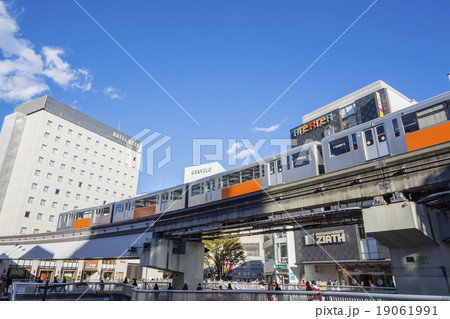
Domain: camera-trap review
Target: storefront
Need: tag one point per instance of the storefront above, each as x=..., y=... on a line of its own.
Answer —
x=90, y=270
x=342, y=254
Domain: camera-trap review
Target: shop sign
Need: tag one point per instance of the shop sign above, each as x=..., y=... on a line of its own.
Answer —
x=329, y=237
x=91, y=264
x=312, y=125
x=280, y=268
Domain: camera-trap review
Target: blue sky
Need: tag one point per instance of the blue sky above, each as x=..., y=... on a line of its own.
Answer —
x=225, y=62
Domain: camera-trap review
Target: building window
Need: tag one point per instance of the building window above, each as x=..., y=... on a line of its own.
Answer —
x=100, y=178
x=42, y=202
x=72, y=170
x=106, y=191
x=105, y=146
x=84, y=161
x=65, y=207
x=82, y=173
x=116, y=183
x=68, y=194
x=95, y=153
x=102, y=167
x=97, y=143
x=57, y=139
x=40, y=159
x=114, y=194
x=77, y=196
x=23, y=230
x=88, y=139
x=80, y=184
x=49, y=175
x=52, y=163
x=93, y=164
x=348, y=116
x=98, y=189
x=46, y=134
x=36, y=231
x=54, y=204
x=75, y=158
x=79, y=135
x=91, y=175
x=27, y=214
x=63, y=166
x=96, y=201
x=49, y=123
x=46, y=189
x=55, y=151
x=108, y=181
x=65, y=154
x=60, y=127
x=86, y=150
x=67, y=143
x=37, y=172
x=70, y=181
x=39, y=216
x=43, y=147
x=89, y=187
x=57, y=191
x=87, y=199
x=60, y=178
x=30, y=200
x=70, y=132
x=33, y=186
x=77, y=147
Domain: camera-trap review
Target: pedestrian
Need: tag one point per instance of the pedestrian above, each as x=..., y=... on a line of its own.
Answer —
x=315, y=287
x=329, y=283
x=220, y=294
x=8, y=283
x=169, y=294
x=125, y=281
x=134, y=282
x=170, y=287
x=199, y=287
x=64, y=280
x=308, y=286
x=156, y=288
x=102, y=286
x=229, y=287
x=185, y=287
x=55, y=280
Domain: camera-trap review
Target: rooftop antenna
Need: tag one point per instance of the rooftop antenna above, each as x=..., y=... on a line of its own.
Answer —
x=119, y=126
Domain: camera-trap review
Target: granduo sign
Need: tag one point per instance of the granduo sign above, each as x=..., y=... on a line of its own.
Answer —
x=329, y=237
x=312, y=125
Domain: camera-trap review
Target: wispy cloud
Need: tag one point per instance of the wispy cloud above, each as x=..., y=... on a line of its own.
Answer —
x=24, y=72
x=112, y=93
x=234, y=147
x=266, y=129
x=245, y=153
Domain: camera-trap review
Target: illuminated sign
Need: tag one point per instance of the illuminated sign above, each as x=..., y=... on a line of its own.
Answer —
x=329, y=237
x=312, y=125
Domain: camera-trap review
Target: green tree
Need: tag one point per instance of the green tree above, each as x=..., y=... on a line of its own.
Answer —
x=221, y=250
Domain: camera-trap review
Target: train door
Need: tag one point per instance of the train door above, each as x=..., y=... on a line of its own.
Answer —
x=210, y=189
x=376, y=144
x=275, y=172
x=164, y=199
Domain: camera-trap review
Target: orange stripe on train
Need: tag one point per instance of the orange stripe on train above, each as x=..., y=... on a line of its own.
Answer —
x=82, y=223
x=427, y=137
x=241, y=189
x=144, y=212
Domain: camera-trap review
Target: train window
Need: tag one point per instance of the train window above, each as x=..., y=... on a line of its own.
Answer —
x=339, y=146
x=255, y=172
x=300, y=159
x=396, y=128
x=177, y=194
x=432, y=116
x=208, y=186
x=369, y=137
x=279, y=166
x=272, y=168
x=213, y=184
x=196, y=190
x=410, y=123
x=381, y=134
x=219, y=183
x=106, y=211
x=119, y=209
x=355, y=142
x=263, y=170
x=231, y=179
x=288, y=162
x=247, y=175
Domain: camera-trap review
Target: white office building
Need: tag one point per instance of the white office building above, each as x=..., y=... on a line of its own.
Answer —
x=54, y=158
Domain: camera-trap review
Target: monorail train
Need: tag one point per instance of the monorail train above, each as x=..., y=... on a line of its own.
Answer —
x=424, y=124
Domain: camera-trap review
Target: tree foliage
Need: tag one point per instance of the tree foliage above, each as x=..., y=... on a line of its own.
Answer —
x=221, y=250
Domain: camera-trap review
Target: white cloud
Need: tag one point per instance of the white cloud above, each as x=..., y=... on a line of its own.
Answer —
x=112, y=93
x=234, y=147
x=23, y=72
x=245, y=153
x=267, y=129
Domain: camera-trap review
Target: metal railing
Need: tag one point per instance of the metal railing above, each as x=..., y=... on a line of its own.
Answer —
x=258, y=295
x=296, y=287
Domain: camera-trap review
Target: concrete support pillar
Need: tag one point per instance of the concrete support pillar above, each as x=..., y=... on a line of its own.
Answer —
x=183, y=258
x=418, y=238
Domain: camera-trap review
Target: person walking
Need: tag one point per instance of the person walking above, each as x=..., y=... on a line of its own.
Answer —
x=185, y=287
x=156, y=288
x=199, y=287
x=229, y=287
x=169, y=294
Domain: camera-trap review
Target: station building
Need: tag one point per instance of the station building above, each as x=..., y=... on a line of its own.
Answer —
x=53, y=159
